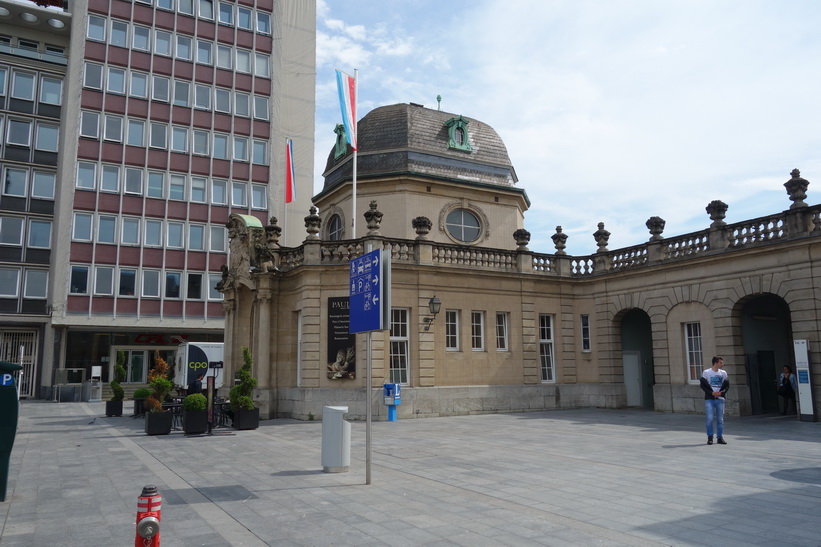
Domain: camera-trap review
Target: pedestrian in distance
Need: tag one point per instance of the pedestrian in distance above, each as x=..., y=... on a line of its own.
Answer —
x=715, y=383
x=196, y=385
x=787, y=386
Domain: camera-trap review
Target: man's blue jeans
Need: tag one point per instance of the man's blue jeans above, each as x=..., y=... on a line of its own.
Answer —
x=715, y=410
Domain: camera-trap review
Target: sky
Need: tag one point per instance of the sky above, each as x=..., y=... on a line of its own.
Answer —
x=612, y=111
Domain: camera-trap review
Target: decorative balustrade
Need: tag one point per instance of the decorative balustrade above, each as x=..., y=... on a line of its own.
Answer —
x=290, y=258
x=630, y=257
x=340, y=252
x=687, y=245
x=581, y=265
x=543, y=263
x=491, y=259
x=756, y=231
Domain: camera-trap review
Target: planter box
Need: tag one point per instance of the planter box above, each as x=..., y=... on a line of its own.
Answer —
x=113, y=408
x=158, y=423
x=194, y=421
x=139, y=410
x=246, y=419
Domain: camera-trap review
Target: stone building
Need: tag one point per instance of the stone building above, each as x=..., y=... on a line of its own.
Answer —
x=517, y=330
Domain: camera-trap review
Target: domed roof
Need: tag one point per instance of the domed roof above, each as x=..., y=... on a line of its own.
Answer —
x=411, y=139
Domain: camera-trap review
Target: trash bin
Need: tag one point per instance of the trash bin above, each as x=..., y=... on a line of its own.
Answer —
x=392, y=398
x=9, y=410
x=336, y=440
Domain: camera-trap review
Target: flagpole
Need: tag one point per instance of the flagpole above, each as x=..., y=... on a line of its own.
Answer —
x=355, y=99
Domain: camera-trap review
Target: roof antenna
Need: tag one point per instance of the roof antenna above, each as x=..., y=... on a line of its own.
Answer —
x=438, y=102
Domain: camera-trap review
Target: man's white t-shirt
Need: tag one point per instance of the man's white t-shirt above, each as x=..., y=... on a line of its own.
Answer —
x=715, y=378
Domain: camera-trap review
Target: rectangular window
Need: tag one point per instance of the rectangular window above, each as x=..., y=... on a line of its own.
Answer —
x=172, y=284
x=9, y=282
x=259, y=153
x=86, y=175
x=46, y=137
x=128, y=283
x=226, y=13
x=176, y=188
x=131, y=231
x=261, y=107
x=695, y=358
x=160, y=88
x=213, y=293
x=22, y=86
x=113, y=128
x=51, y=90
x=153, y=233
x=202, y=97
x=585, y=331
x=119, y=33
x=183, y=49
x=103, y=280
x=220, y=147
x=11, y=231
x=158, y=136
x=198, y=189
x=165, y=4
x=185, y=6
x=239, y=194
x=205, y=52
x=452, y=330
x=81, y=230
x=156, y=185
x=222, y=100
x=93, y=76
x=110, y=181
x=162, y=43
x=219, y=192
x=263, y=23
x=244, y=20
x=241, y=148
x=206, y=10
x=243, y=61
x=151, y=284
x=218, y=239
x=477, y=330
x=19, y=133
x=107, y=229
x=194, y=288
x=89, y=124
x=399, y=358
x=202, y=141
x=15, y=182
x=196, y=237
x=179, y=139
x=79, y=280
x=115, y=83
x=175, y=234
x=546, y=348
x=259, y=196
x=262, y=65
x=96, y=28
x=43, y=185
x=182, y=93
x=139, y=85
x=136, y=133
x=501, y=331
x=133, y=181
x=141, y=39
x=242, y=104
x=39, y=234
x=225, y=57
x=36, y=284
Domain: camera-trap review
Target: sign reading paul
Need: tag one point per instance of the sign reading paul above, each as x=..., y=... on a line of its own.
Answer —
x=370, y=292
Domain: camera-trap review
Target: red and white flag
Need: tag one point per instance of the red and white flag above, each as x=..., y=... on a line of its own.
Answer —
x=290, y=179
x=346, y=85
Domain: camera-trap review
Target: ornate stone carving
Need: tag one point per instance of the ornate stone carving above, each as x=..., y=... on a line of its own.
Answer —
x=313, y=223
x=797, y=189
x=522, y=238
x=717, y=210
x=559, y=241
x=656, y=227
x=272, y=233
x=240, y=243
x=602, y=238
x=422, y=225
x=374, y=219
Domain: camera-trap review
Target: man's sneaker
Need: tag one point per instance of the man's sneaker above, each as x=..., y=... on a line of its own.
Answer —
x=710, y=439
x=721, y=440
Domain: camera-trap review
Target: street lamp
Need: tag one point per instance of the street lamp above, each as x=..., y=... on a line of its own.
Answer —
x=434, y=305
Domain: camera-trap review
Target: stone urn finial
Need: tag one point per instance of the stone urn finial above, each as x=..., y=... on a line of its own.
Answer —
x=522, y=238
x=797, y=189
x=422, y=225
x=559, y=241
x=272, y=233
x=374, y=219
x=717, y=210
x=313, y=223
x=602, y=238
x=656, y=227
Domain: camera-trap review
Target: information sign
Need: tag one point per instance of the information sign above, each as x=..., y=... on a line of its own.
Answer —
x=366, y=292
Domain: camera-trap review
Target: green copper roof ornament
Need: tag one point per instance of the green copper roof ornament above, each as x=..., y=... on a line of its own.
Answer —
x=438, y=102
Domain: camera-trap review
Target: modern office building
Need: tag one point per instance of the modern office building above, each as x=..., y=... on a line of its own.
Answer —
x=132, y=130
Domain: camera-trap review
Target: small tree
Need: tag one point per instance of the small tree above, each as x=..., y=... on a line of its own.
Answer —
x=117, y=392
x=161, y=386
x=240, y=394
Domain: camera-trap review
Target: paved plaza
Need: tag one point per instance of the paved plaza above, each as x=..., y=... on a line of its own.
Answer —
x=569, y=477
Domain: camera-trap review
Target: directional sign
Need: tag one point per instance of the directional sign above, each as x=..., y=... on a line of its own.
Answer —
x=366, y=292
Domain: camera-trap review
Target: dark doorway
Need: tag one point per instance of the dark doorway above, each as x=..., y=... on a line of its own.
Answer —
x=762, y=377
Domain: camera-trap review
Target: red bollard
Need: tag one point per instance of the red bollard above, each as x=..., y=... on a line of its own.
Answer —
x=149, y=509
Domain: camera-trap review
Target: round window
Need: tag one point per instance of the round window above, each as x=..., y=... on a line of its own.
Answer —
x=463, y=225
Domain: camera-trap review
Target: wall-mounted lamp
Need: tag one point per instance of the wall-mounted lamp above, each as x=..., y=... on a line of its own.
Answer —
x=434, y=305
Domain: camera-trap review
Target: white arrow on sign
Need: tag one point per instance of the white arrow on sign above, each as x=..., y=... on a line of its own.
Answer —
x=375, y=300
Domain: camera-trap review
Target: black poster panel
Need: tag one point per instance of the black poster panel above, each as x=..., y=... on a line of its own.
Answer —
x=341, y=344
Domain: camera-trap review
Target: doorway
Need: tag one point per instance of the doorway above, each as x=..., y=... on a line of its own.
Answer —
x=632, y=377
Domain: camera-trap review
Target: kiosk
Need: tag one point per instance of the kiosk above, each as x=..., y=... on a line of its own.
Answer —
x=9, y=410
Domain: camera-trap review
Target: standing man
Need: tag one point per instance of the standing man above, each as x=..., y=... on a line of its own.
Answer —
x=714, y=383
x=196, y=385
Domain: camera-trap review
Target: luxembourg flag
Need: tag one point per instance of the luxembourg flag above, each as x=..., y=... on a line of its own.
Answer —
x=290, y=179
x=347, y=102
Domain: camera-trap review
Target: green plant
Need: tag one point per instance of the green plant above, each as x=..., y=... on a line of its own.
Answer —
x=195, y=401
x=240, y=394
x=117, y=392
x=310, y=416
x=161, y=386
x=142, y=392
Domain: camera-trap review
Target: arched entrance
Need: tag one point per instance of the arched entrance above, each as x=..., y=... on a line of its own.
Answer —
x=637, y=358
x=767, y=338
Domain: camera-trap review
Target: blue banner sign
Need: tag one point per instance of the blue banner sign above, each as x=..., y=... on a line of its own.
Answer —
x=366, y=292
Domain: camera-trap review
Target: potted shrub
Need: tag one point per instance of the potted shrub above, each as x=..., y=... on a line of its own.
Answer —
x=140, y=395
x=194, y=415
x=157, y=419
x=246, y=415
x=114, y=406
